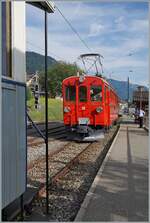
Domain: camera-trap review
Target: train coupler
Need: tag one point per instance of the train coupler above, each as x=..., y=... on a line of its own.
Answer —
x=82, y=129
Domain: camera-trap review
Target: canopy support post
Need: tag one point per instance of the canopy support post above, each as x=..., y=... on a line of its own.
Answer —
x=46, y=118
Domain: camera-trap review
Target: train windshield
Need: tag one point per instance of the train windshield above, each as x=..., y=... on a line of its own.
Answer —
x=96, y=93
x=82, y=94
x=70, y=93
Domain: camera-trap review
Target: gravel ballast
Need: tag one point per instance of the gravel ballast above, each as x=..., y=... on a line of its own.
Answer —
x=67, y=194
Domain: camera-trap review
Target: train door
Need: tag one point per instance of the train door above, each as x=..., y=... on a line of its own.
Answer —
x=69, y=104
x=96, y=102
x=82, y=106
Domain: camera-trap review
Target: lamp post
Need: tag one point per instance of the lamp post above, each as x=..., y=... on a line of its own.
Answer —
x=128, y=90
x=128, y=93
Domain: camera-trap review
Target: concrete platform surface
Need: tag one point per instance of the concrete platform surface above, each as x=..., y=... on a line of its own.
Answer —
x=120, y=189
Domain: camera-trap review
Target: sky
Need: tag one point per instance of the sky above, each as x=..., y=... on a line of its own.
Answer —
x=118, y=31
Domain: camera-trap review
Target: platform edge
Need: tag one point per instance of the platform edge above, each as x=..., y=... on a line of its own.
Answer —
x=89, y=194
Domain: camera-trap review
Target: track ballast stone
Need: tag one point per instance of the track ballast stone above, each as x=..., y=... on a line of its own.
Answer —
x=67, y=194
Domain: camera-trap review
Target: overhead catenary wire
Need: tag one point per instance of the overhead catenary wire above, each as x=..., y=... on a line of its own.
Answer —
x=32, y=44
x=73, y=29
x=109, y=74
x=77, y=34
x=38, y=47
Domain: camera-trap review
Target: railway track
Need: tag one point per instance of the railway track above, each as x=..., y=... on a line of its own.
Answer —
x=56, y=163
x=62, y=171
x=42, y=157
x=57, y=132
x=67, y=194
x=72, y=169
x=52, y=126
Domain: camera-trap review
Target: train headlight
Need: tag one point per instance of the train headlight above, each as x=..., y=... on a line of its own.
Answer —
x=66, y=109
x=99, y=109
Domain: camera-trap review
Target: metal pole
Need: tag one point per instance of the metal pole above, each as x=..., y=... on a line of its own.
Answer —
x=141, y=98
x=96, y=68
x=36, y=127
x=46, y=116
x=128, y=95
x=21, y=207
x=84, y=64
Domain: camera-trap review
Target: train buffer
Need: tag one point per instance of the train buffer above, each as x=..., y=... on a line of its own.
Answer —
x=120, y=189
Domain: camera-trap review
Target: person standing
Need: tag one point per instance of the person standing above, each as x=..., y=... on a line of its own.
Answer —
x=141, y=117
x=136, y=115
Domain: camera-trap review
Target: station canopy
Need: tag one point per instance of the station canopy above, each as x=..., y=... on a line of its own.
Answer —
x=44, y=5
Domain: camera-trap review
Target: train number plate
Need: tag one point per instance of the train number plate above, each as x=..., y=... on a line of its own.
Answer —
x=83, y=121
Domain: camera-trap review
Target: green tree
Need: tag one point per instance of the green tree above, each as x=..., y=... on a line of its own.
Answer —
x=56, y=74
x=29, y=94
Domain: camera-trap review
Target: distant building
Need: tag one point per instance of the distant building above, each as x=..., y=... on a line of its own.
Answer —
x=141, y=98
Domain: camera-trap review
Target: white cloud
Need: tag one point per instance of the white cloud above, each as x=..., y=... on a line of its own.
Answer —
x=128, y=34
x=123, y=63
x=95, y=29
x=120, y=24
x=114, y=57
x=139, y=25
x=57, y=44
x=120, y=19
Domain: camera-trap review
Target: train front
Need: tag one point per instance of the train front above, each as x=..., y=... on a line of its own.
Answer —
x=83, y=107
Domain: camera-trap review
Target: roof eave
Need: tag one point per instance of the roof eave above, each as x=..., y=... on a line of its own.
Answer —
x=44, y=5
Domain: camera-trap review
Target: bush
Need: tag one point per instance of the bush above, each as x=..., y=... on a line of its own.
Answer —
x=29, y=94
x=56, y=74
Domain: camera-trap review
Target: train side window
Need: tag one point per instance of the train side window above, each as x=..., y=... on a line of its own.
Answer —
x=82, y=94
x=96, y=93
x=70, y=93
x=111, y=95
x=6, y=39
x=105, y=93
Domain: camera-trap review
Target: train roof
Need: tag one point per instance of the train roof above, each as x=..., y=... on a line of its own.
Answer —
x=90, y=76
x=87, y=76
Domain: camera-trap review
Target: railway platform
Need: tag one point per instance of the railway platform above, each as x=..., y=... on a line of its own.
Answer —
x=120, y=189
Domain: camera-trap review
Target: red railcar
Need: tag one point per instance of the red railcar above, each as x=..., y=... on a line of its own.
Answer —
x=89, y=102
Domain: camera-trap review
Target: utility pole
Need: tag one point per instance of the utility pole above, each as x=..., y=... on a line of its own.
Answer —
x=141, y=99
x=46, y=118
x=128, y=90
x=128, y=93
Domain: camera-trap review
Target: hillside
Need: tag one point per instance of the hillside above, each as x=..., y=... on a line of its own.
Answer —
x=36, y=62
x=121, y=88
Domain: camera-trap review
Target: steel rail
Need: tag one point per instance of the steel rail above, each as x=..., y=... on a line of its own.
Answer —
x=36, y=128
x=53, y=137
x=63, y=171
x=50, y=133
x=51, y=154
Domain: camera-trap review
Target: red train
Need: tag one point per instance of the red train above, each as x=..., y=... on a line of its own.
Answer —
x=89, y=103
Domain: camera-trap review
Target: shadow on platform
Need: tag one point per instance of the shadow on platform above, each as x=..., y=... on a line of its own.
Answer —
x=123, y=193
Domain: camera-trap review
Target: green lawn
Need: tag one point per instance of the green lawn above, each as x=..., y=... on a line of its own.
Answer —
x=55, y=110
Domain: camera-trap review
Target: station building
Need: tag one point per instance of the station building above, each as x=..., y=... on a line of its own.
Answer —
x=141, y=98
x=13, y=82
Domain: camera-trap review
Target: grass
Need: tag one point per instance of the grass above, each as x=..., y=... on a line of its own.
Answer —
x=55, y=110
